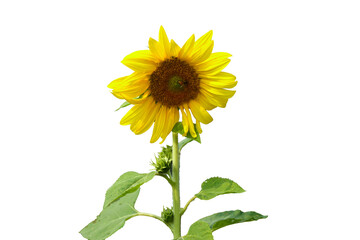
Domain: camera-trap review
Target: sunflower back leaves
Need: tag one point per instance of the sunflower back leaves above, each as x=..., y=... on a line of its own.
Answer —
x=216, y=186
x=128, y=182
x=179, y=128
x=124, y=104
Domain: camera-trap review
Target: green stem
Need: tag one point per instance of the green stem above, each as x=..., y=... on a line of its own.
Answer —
x=176, y=186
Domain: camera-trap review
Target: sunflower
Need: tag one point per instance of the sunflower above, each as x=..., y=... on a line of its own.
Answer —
x=168, y=81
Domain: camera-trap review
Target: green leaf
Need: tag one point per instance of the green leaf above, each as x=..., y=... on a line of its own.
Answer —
x=125, y=104
x=216, y=186
x=179, y=128
x=128, y=182
x=112, y=218
x=199, y=231
x=223, y=219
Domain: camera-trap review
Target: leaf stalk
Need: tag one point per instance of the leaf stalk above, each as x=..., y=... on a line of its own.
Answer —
x=166, y=177
x=187, y=205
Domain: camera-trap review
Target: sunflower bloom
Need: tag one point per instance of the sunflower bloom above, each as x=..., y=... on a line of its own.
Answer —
x=170, y=82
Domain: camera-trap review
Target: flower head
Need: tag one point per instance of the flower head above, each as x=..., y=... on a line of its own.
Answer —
x=169, y=80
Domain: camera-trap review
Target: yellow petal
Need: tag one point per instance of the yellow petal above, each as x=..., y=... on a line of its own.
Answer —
x=138, y=100
x=213, y=99
x=176, y=117
x=186, y=50
x=205, y=102
x=214, y=64
x=219, y=91
x=217, y=84
x=169, y=119
x=173, y=118
x=220, y=76
x=131, y=91
x=150, y=120
x=198, y=126
x=141, y=55
x=164, y=42
x=156, y=50
x=117, y=82
x=213, y=67
x=140, y=61
x=220, y=80
x=204, y=40
x=184, y=121
x=217, y=55
x=202, y=48
x=148, y=117
x=131, y=86
x=190, y=122
x=159, y=124
x=174, y=48
x=128, y=80
x=132, y=114
x=139, y=121
x=202, y=54
x=199, y=112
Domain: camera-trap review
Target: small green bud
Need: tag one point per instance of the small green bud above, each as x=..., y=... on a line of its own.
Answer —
x=167, y=214
x=163, y=161
x=166, y=152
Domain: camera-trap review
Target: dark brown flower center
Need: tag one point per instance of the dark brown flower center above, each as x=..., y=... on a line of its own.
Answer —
x=174, y=82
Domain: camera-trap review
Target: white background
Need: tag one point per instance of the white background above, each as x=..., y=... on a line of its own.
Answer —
x=290, y=136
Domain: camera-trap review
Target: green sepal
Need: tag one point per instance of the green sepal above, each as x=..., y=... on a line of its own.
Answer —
x=216, y=186
x=125, y=104
x=179, y=128
x=112, y=218
x=198, y=231
x=223, y=219
x=126, y=183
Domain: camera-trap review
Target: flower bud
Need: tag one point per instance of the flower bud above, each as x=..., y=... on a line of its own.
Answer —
x=163, y=161
x=167, y=214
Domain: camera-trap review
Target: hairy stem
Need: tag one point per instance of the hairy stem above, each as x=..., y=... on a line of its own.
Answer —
x=176, y=186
